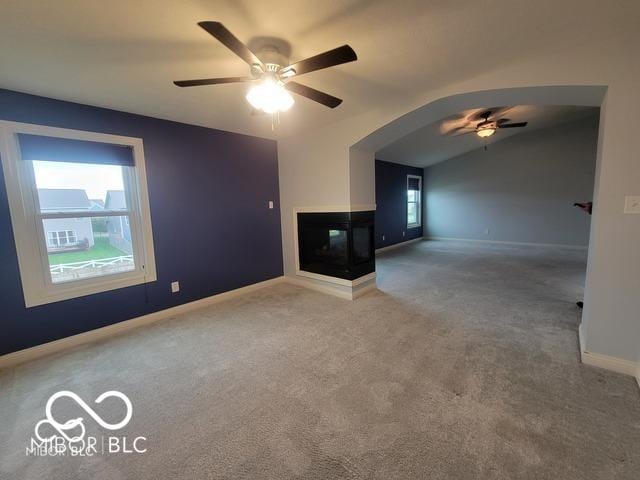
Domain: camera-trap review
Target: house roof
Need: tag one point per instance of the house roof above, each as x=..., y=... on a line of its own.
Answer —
x=62, y=199
x=115, y=200
x=96, y=203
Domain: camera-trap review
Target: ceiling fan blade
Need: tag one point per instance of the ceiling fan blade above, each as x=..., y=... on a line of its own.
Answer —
x=489, y=113
x=337, y=56
x=464, y=132
x=481, y=115
x=455, y=130
x=313, y=94
x=224, y=36
x=513, y=125
x=212, y=81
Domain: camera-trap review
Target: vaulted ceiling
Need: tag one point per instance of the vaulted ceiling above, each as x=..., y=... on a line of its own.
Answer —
x=428, y=145
x=124, y=54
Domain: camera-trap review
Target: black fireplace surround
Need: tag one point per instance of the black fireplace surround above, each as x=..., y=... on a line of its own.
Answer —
x=337, y=244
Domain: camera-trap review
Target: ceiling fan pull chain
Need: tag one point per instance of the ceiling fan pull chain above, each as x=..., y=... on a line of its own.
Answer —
x=275, y=120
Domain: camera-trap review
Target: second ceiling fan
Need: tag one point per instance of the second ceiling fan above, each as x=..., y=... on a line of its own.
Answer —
x=485, y=123
x=273, y=73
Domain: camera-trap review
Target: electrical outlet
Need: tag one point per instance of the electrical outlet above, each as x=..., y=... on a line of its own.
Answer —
x=383, y=238
x=632, y=204
x=270, y=204
x=403, y=233
x=175, y=287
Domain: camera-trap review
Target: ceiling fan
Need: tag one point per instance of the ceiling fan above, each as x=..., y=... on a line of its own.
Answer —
x=485, y=123
x=272, y=73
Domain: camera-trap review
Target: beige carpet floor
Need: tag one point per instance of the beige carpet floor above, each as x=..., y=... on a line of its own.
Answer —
x=464, y=365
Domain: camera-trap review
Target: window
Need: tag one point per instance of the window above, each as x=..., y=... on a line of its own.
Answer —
x=62, y=238
x=414, y=201
x=79, y=210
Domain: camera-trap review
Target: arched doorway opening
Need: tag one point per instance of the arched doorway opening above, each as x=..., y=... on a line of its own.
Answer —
x=362, y=153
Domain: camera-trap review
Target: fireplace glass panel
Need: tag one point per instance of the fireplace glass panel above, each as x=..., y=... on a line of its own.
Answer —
x=361, y=244
x=324, y=245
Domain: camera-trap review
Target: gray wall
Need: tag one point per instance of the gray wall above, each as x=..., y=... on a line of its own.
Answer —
x=520, y=190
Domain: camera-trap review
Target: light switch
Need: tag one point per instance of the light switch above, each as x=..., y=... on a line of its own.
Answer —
x=271, y=204
x=632, y=204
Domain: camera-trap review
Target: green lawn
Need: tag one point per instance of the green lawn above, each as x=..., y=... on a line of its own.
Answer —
x=101, y=249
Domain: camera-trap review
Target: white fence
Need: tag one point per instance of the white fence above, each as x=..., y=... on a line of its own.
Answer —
x=90, y=268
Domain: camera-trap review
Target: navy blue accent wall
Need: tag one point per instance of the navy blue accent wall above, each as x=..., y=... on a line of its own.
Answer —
x=391, y=203
x=209, y=192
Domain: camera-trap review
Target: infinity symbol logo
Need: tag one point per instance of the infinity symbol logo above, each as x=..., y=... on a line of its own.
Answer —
x=62, y=428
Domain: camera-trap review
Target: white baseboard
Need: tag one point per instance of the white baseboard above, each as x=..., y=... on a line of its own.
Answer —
x=615, y=364
x=360, y=287
x=502, y=242
x=398, y=245
x=28, y=354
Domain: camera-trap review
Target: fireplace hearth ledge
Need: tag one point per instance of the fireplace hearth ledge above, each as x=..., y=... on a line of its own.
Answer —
x=330, y=285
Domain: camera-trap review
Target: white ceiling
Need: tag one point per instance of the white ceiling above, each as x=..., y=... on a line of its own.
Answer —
x=428, y=145
x=125, y=54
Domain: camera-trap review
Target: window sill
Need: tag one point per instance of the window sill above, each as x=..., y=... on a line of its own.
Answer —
x=66, y=292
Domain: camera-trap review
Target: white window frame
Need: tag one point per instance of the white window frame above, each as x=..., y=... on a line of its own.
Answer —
x=31, y=243
x=418, y=203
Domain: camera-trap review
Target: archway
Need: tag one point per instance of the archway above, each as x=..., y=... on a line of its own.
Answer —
x=361, y=153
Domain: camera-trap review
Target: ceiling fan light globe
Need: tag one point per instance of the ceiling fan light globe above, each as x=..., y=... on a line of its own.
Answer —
x=286, y=101
x=254, y=97
x=270, y=97
x=485, y=132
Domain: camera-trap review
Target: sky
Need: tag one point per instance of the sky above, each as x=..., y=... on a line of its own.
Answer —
x=94, y=179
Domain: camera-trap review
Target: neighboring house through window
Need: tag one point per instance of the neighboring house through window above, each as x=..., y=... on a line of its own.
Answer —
x=79, y=210
x=414, y=201
x=62, y=239
x=63, y=233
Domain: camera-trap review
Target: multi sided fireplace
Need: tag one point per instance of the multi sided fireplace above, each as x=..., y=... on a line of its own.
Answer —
x=336, y=244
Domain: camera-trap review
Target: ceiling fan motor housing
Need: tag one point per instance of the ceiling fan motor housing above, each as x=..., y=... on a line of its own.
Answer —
x=486, y=124
x=272, y=58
